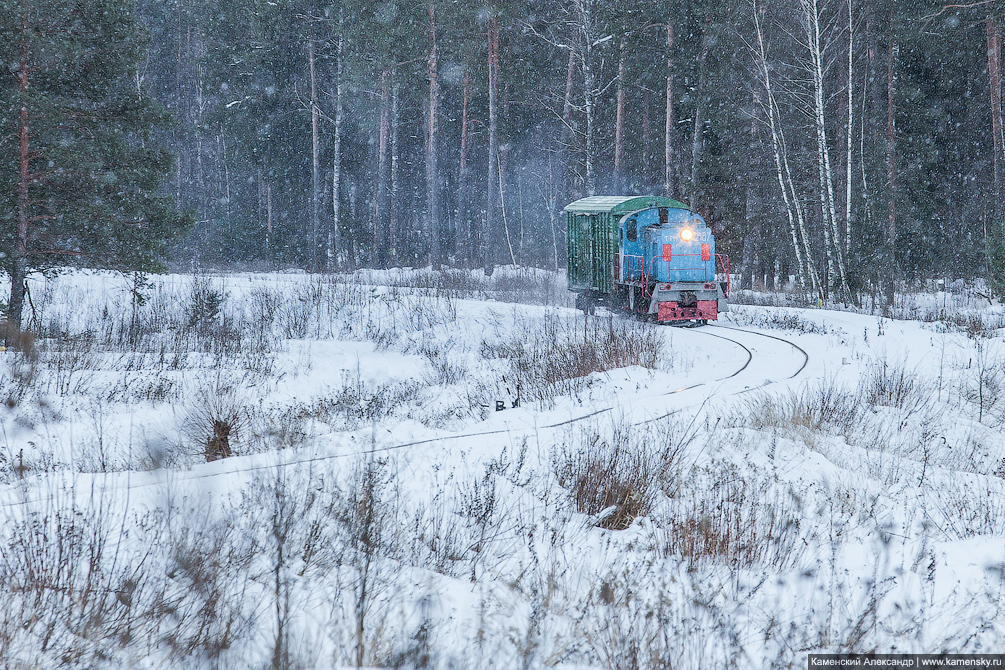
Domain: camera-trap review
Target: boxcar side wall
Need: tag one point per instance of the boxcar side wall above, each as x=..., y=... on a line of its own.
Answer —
x=576, y=271
x=592, y=241
x=604, y=252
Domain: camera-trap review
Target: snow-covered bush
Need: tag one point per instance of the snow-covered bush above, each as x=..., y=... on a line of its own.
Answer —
x=557, y=355
x=618, y=475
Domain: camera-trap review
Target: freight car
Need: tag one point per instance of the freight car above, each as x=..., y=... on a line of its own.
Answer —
x=648, y=255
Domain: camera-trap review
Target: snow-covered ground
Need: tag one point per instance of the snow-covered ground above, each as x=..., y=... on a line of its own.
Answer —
x=785, y=482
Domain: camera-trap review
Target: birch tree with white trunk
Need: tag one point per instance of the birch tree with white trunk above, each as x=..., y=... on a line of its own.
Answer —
x=588, y=41
x=811, y=15
x=793, y=207
x=335, y=232
x=848, y=134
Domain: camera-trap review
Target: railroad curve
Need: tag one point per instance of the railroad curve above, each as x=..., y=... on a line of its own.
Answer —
x=190, y=477
x=806, y=356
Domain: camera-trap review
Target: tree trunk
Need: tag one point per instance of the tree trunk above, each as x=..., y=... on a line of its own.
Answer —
x=315, y=147
x=697, y=139
x=268, y=220
x=201, y=191
x=463, y=225
x=432, y=168
x=619, y=123
x=752, y=240
x=589, y=95
x=19, y=271
x=177, y=98
x=995, y=84
x=570, y=72
x=567, y=134
x=793, y=207
x=669, y=171
x=550, y=204
x=503, y=154
x=646, y=136
x=381, y=204
x=226, y=172
x=392, y=206
x=828, y=210
x=850, y=125
x=566, y=186
x=334, y=235
x=891, y=165
x=869, y=112
x=491, y=235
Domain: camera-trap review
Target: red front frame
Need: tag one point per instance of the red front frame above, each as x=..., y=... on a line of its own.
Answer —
x=706, y=310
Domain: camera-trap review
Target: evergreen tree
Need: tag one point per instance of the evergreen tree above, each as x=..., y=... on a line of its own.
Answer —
x=996, y=259
x=78, y=182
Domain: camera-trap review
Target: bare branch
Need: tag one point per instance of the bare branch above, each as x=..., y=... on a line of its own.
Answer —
x=948, y=7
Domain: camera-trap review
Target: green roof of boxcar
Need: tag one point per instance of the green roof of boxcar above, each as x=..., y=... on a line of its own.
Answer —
x=620, y=204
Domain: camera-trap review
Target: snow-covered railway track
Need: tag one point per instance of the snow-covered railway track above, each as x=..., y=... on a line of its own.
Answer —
x=806, y=356
x=748, y=350
x=755, y=363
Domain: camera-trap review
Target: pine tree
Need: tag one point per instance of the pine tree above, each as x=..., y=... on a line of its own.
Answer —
x=78, y=184
x=996, y=259
x=996, y=238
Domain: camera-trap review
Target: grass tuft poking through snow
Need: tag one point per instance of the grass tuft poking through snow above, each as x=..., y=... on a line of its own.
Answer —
x=556, y=356
x=742, y=525
x=617, y=476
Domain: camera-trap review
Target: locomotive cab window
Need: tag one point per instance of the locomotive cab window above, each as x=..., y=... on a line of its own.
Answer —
x=633, y=231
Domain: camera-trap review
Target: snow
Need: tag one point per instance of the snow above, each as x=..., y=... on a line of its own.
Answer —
x=842, y=491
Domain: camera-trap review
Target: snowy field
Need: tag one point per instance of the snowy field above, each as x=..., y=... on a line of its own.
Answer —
x=785, y=482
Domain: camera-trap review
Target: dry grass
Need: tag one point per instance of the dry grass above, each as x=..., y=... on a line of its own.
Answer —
x=619, y=476
x=551, y=358
x=734, y=523
x=775, y=320
x=968, y=506
x=355, y=403
x=817, y=407
x=894, y=385
x=524, y=285
x=73, y=596
x=16, y=339
x=215, y=419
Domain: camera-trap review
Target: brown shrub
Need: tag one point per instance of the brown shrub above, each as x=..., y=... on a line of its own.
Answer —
x=17, y=339
x=617, y=478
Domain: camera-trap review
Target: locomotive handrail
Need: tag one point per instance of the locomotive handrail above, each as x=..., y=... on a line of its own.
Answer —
x=723, y=261
x=635, y=266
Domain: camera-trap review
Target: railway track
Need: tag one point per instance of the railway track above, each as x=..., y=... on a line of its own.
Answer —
x=750, y=357
x=806, y=356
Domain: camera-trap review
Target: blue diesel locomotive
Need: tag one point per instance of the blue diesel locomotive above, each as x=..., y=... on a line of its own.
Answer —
x=648, y=255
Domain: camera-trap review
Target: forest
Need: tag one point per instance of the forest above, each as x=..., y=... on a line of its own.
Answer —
x=846, y=144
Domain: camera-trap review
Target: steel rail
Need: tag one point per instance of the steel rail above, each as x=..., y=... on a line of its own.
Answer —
x=806, y=356
x=444, y=438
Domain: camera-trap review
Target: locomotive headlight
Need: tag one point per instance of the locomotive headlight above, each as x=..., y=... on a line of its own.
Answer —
x=687, y=234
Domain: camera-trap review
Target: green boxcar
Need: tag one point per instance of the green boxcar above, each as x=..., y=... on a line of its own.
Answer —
x=591, y=226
